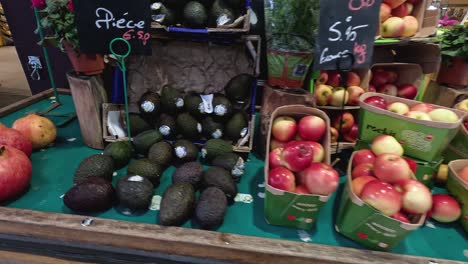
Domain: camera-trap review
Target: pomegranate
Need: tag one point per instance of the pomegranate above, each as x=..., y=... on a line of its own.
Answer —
x=14, y=138
x=15, y=172
x=39, y=130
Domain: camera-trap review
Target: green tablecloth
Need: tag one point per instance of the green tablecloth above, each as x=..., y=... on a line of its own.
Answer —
x=53, y=172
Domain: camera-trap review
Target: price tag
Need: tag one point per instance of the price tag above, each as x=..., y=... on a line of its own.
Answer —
x=346, y=34
x=100, y=21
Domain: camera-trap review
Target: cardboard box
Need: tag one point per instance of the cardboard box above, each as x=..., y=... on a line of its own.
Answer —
x=366, y=225
x=291, y=209
x=420, y=139
x=459, y=188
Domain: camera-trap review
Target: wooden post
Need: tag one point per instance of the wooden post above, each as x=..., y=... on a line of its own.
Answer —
x=88, y=96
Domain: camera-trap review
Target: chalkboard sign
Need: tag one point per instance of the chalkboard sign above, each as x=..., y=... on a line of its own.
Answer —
x=346, y=34
x=100, y=21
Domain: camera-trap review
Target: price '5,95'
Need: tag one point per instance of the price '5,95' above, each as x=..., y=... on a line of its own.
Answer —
x=141, y=35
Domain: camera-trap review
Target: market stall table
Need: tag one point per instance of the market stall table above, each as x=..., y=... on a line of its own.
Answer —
x=38, y=223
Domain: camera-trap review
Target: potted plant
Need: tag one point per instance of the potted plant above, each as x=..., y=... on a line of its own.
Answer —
x=58, y=23
x=454, y=51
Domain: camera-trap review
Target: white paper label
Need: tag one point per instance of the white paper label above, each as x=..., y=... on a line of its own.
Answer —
x=199, y=128
x=207, y=103
x=156, y=6
x=136, y=178
x=165, y=130
x=204, y=153
x=220, y=110
x=114, y=125
x=147, y=106
x=181, y=152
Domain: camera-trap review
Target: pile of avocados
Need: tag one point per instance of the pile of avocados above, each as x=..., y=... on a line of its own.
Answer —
x=201, y=193
x=197, y=14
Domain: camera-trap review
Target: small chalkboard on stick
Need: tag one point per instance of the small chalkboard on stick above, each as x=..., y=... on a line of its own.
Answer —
x=100, y=21
x=346, y=34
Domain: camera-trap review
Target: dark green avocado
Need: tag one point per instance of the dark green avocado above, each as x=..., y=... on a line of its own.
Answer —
x=101, y=166
x=211, y=208
x=222, y=179
x=134, y=194
x=143, y=141
x=185, y=151
x=121, y=152
x=190, y=172
x=177, y=204
x=145, y=168
x=90, y=196
x=161, y=153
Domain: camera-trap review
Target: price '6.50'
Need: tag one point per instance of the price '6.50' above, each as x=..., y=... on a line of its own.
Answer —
x=141, y=35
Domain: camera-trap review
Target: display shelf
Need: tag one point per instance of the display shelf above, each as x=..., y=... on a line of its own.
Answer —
x=39, y=215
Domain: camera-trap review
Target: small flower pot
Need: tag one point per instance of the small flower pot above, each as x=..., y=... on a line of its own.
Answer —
x=88, y=64
x=455, y=73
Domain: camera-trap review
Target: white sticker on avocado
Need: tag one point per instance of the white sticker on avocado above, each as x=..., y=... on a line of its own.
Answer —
x=244, y=131
x=207, y=103
x=136, y=178
x=199, y=128
x=217, y=133
x=240, y=163
x=165, y=130
x=201, y=108
x=147, y=106
x=179, y=103
x=156, y=6
x=155, y=203
x=204, y=153
x=243, y=198
x=237, y=172
x=220, y=110
x=181, y=152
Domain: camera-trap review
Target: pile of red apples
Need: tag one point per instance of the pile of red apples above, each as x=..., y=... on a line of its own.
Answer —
x=384, y=179
x=420, y=111
x=329, y=90
x=296, y=161
x=396, y=18
x=384, y=81
x=348, y=130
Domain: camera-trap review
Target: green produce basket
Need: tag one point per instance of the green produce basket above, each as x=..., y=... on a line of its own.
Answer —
x=366, y=225
x=287, y=208
x=460, y=143
x=459, y=189
x=420, y=139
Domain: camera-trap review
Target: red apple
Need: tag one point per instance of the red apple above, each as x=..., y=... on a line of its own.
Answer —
x=385, y=12
x=376, y=101
x=391, y=168
x=318, y=151
x=403, y=10
x=323, y=78
x=358, y=184
x=382, y=196
x=379, y=78
x=407, y=91
x=297, y=156
x=282, y=178
x=401, y=217
x=466, y=125
x=412, y=164
x=274, y=144
x=445, y=209
x=351, y=135
x=385, y=144
x=398, y=108
x=463, y=174
x=14, y=138
x=320, y=178
x=392, y=76
x=389, y=89
x=394, y=3
x=284, y=128
x=312, y=128
x=364, y=169
x=301, y=189
x=353, y=79
x=416, y=197
x=15, y=172
x=275, y=158
x=334, y=78
x=363, y=156
x=334, y=135
x=346, y=119
x=418, y=115
x=371, y=88
x=354, y=93
x=422, y=107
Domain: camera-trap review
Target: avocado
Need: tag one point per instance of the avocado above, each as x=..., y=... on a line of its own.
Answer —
x=185, y=151
x=134, y=194
x=215, y=147
x=194, y=105
x=239, y=87
x=166, y=125
x=195, y=14
x=161, y=153
x=121, y=152
x=149, y=106
x=211, y=128
x=145, y=168
x=190, y=172
x=221, y=14
x=211, y=208
x=222, y=179
x=137, y=124
x=101, y=166
x=143, y=141
x=175, y=4
x=172, y=100
x=237, y=126
x=162, y=14
x=188, y=126
x=231, y=162
x=177, y=204
x=90, y=196
x=222, y=108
